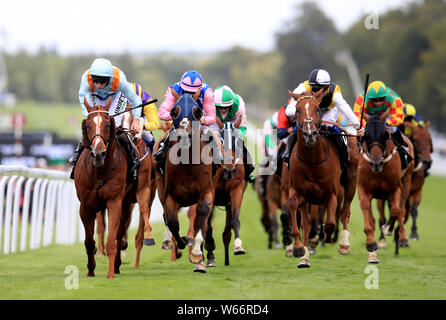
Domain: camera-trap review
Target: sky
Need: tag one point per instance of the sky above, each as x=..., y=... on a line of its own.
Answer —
x=116, y=26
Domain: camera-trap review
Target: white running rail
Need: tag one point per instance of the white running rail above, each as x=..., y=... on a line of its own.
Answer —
x=41, y=203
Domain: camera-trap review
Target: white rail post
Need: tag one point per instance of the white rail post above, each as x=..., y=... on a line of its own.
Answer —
x=25, y=213
x=15, y=213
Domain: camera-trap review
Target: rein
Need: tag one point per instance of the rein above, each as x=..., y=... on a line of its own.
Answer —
x=101, y=182
x=366, y=156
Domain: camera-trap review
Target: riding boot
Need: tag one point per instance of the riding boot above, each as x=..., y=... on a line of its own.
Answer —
x=291, y=142
x=73, y=160
x=132, y=156
x=249, y=165
x=341, y=147
x=403, y=148
x=160, y=154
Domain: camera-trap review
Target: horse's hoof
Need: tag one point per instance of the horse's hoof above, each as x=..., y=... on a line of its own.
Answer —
x=124, y=245
x=371, y=247
x=414, y=236
x=298, y=252
x=303, y=263
x=287, y=241
x=385, y=229
x=200, y=267
x=278, y=246
x=91, y=274
x=314, y=241
x=403, y=243
x=110, y=275
x=178, y=254
x=211, y=263
x=312, y=251
x=373, y=258
x=167, y=245
x=343, y=249
x=239, y=251
x=149, y=242
x=183, y=242
x=195, y=258
x=288, y=253
x=382, y=244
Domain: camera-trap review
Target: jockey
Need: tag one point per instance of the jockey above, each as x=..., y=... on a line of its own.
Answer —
x=230, y=107
x=410, y=115
x=149, y=115
x=379, y=99
x=332, y=103
x=190, y=82
x=99, y=83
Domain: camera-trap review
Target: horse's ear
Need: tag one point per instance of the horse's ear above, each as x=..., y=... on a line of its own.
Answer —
x=293, y=95
x=428, y=123
x=87, y=105
x=107, y=106
x=197, y=113
x=319, y=95
x=175, y=112
x=196, y=95
x=175, y=94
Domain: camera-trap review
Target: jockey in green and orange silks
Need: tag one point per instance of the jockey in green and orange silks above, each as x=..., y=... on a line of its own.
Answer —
x=380, y=99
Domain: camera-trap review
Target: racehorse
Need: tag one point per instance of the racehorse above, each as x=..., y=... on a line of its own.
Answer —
x=229, y=189
x=422, y=142
x=100, y=181
x=380, y=176
x=144, y=194
x=314, y=174
x=187, y=180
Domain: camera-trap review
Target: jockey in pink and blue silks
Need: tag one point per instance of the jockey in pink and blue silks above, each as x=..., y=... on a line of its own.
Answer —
x=190, y=82
x=100, y=83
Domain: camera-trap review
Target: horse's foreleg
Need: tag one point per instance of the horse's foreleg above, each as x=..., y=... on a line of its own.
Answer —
x=139, y=238
x=395, y=212
x=114, y=216
x=191, y=214
x=380, y=204
x=227, y=234
x=293, y=204
x=143, y=198
x=329, y=225
x=210, y=243
x=100, y=231
x=171, y=210
x=416, y=199
x=203, y=211
x=236, y=204
x=88, y=222
x=369, y=224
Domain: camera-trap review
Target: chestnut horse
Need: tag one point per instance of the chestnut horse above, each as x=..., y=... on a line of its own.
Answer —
x=229, y=189
x=422, y=142
x=100, y=181
x=314, y=174
x=145, y=194
x=380, y=176
x=188, y=178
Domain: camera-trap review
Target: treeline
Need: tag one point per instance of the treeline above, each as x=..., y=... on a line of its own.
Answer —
x=407, y=51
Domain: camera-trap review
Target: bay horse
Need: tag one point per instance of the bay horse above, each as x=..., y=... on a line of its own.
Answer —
x=230, y=186
x=314, y=174
x=188, y=178
x=422, y=142
x=380, y=176
x=100, y=181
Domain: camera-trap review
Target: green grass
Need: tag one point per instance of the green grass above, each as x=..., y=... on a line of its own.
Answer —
x=417, y=273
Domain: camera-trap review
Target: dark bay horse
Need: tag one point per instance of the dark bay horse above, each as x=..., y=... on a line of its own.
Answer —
x=229, y=189
x=422, y=142
x=100, y=181
x=380, y=176
x=188, y=178
x=314, y=174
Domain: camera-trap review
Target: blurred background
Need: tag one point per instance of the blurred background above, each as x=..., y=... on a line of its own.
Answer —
x=259, y=48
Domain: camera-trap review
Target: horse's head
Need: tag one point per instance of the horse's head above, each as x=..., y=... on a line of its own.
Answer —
x=422, y=142
x=375, y=138
x=98, y=131
x=185, y=111
x=307, y=116
x=233, y=150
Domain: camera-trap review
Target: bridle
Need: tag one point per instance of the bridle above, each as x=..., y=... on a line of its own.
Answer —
x=106, y=142
x=309, y=120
